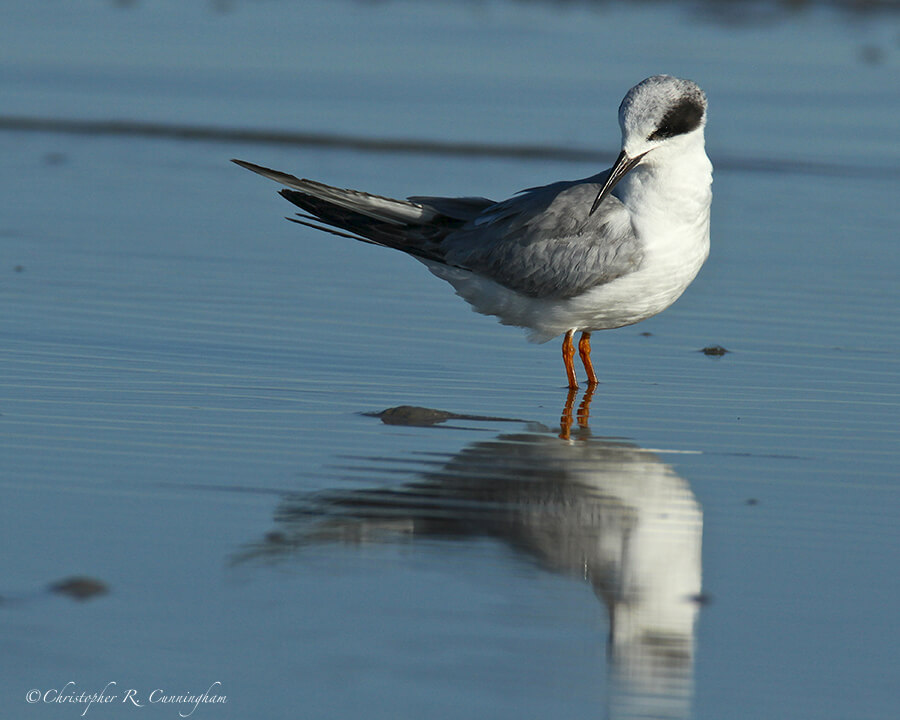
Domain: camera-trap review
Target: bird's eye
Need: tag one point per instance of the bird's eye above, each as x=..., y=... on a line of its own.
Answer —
x=682, y=118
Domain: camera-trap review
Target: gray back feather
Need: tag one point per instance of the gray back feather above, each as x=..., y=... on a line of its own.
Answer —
x=543, y=242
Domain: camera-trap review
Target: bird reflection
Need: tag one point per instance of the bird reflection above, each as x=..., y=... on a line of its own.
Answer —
x=584, y=411
x=605, y=511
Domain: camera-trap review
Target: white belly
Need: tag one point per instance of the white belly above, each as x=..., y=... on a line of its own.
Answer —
x=667, y=269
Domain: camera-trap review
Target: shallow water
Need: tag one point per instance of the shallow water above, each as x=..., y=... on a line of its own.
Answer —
x=184, y=376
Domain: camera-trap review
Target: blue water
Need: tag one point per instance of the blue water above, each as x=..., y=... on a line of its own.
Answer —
x=183, y=376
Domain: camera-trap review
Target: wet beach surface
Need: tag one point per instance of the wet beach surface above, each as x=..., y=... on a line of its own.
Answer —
x=193, y=450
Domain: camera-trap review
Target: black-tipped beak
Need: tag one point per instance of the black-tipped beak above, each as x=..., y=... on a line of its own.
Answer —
x=621, y=167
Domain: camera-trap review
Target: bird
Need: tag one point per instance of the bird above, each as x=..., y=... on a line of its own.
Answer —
x=574, y=256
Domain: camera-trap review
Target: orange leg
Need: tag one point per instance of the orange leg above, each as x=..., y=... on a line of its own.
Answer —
x=568, y=352
x=584, y=350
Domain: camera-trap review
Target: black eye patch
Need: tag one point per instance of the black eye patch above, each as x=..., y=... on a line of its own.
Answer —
x=682, y=118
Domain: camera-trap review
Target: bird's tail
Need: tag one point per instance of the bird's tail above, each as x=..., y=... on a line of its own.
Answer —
x=399, y=224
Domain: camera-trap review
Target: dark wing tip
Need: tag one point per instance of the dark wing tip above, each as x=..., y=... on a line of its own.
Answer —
x=247, y=165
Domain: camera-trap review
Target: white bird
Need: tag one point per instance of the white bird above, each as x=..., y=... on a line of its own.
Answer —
x=574, y=256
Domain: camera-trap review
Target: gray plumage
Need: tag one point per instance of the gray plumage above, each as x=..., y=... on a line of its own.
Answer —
x=542, y=242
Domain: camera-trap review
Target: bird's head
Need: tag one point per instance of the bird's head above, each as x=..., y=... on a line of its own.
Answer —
x=659, y=115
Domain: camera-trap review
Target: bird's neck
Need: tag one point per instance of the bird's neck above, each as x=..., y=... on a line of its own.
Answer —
x=676, y=185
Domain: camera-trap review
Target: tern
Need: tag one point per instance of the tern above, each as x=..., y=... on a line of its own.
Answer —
x=603, y=252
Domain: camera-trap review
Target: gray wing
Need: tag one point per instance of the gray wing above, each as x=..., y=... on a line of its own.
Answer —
x=462, y=208
x=544, y=243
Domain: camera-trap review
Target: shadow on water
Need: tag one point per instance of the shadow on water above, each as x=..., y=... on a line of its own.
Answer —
x=599, y=509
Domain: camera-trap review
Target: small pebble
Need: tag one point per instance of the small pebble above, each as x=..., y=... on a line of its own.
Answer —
x=80, y=588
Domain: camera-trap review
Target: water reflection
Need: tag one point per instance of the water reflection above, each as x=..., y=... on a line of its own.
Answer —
x=599, y=509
